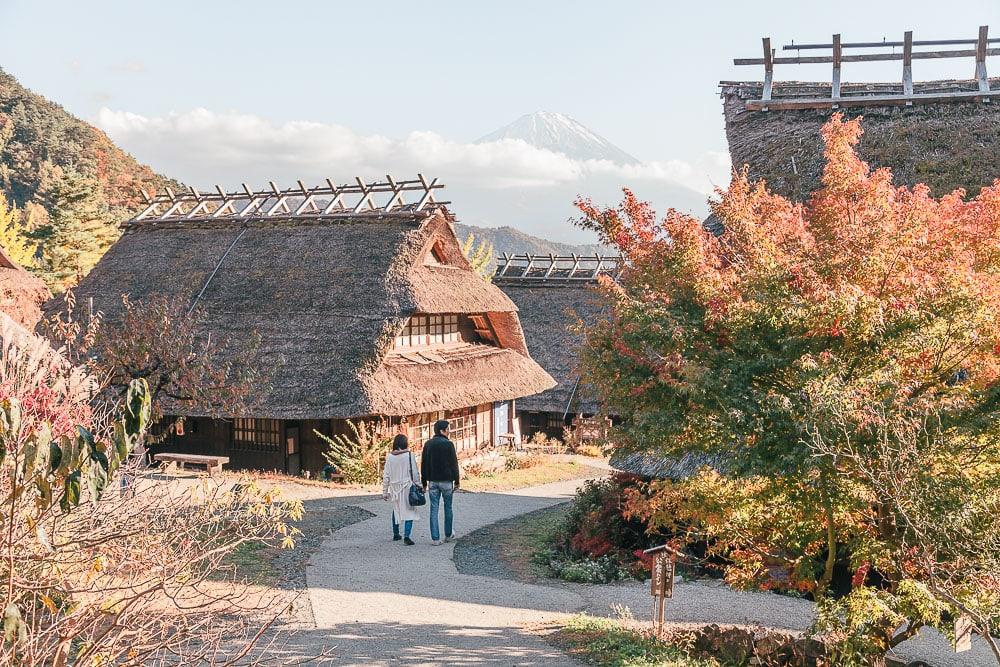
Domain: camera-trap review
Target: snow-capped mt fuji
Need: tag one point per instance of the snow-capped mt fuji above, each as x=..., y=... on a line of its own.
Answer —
x=560, y=134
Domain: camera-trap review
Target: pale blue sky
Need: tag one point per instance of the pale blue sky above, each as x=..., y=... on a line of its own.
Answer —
x=643, y=74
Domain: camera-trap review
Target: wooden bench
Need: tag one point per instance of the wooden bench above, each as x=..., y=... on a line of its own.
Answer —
x=210, y=462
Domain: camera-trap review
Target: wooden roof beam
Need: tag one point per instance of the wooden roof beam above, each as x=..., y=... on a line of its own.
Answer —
x=886, y=44
x=981, y=50
x=908, y=65
x=337, y=203
x=868, y=57
x=835, y=88
x=428, y=197
x=366, y=193
x=768, y=63
x=397, y=194
x=868, y=100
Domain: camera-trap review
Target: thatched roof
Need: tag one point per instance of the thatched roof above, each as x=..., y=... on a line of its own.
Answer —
x=657, y=466
x=549, y=312
x=946, y=145
x=21, y=294
x=327, y=296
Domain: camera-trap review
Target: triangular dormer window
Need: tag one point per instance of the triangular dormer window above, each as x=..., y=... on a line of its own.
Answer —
x=437, y=255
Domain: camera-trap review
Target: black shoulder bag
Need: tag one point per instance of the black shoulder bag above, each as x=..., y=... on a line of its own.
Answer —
x=417, y=496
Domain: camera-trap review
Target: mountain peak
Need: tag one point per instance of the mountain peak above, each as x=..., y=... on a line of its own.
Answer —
x=560, y=133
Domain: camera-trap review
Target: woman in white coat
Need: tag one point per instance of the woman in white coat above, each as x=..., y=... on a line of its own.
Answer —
x=400, y=472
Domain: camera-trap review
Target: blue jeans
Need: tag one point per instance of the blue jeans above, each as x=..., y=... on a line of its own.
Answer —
x=407, y=526
x=438, y=490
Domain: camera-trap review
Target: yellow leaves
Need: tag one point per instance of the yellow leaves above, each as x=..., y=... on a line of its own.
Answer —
x=14, y=235
x=287, y=542
x=98, y=565
x=49, y=603
x=112, y=606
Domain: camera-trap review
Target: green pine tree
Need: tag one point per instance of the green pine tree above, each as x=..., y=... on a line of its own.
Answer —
x=80, y=229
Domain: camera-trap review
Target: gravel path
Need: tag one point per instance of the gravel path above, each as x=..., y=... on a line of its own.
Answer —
x=321, y=519
x=377, y=602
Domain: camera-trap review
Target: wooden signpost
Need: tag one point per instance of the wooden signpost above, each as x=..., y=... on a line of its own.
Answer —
x=661, y=584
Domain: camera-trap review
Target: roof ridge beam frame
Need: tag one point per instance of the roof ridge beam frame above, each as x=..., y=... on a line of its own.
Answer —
x=768, y=102
x=274, y=202
x=518, y=268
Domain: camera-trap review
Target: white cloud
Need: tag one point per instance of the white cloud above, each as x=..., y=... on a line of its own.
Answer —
x=204, y=147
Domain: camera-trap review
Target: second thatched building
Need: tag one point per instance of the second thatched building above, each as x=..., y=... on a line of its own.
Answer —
x=556, y=298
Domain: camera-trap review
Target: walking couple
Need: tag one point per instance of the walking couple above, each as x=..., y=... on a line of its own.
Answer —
x=439, y=472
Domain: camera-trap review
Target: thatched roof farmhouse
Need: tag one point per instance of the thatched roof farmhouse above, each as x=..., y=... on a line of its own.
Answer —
x=555, y=294
x=21, y=294
x=362, y=309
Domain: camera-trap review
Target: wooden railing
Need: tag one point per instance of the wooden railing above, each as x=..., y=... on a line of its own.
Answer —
x=979, y=89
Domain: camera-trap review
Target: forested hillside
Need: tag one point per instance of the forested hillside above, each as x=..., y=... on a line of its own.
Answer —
x=64, y=186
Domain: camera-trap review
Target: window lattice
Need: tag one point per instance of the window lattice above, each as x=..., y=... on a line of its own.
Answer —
x=427, y=330
x=256, y=435
x=462, y=428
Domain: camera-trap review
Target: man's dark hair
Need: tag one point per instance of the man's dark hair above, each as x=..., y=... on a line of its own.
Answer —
x=440, y=426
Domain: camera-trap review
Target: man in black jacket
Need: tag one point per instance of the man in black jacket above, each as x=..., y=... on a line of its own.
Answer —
x=439, y=472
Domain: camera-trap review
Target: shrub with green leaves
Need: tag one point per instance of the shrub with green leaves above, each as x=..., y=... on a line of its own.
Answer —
x=359, y=455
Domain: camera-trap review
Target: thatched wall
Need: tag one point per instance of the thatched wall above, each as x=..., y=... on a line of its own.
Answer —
x=548, y=315
x=327, y=300
x=945, y=145
x=21, y=294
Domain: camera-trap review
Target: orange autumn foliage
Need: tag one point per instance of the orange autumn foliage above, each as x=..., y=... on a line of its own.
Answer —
x=835, y=364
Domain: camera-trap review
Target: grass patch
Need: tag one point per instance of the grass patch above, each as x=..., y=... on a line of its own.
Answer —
x=508, y=480
x=608, y=643
x=253, y=562
x=520, y=542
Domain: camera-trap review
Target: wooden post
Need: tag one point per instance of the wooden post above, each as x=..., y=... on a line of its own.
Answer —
x=835, y=88
x=981, y=44
x=428, y=197
x=552, y=265
x=768, y=72
x=908, y=66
